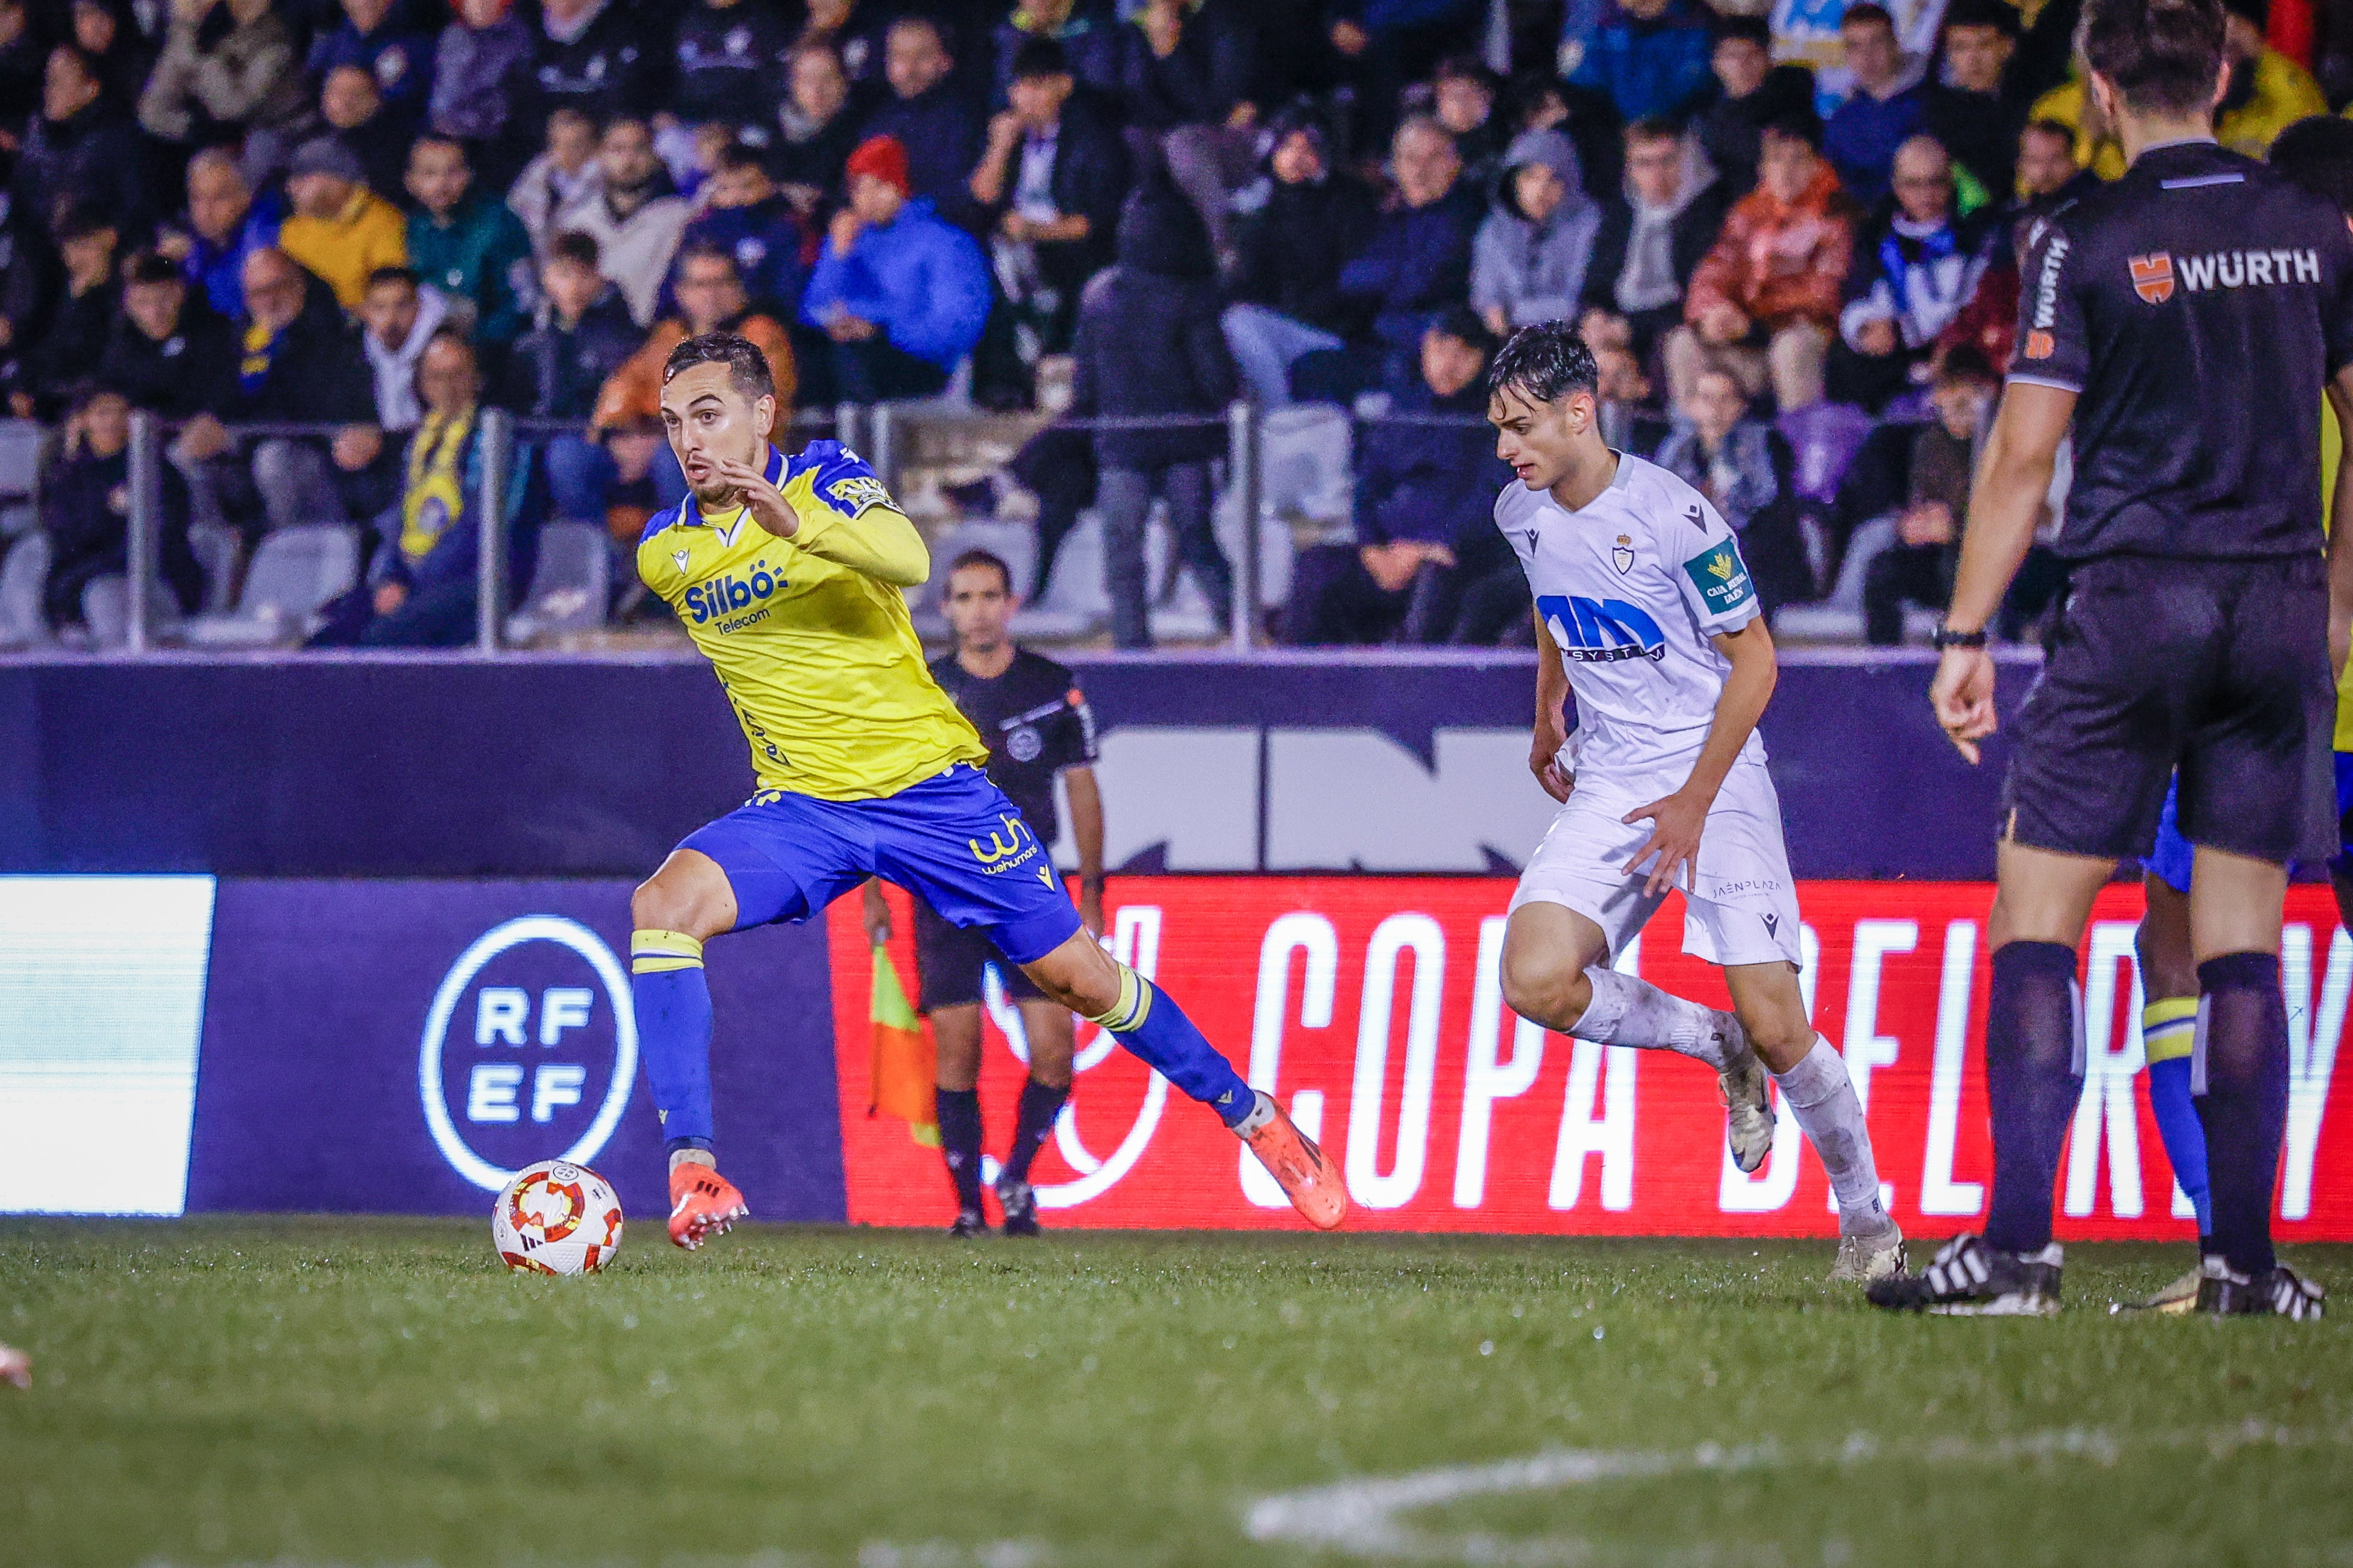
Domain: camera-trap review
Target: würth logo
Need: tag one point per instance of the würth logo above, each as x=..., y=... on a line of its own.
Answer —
x=2152, y=277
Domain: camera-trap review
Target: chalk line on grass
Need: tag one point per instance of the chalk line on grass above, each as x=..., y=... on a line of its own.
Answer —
x=1367, y=1518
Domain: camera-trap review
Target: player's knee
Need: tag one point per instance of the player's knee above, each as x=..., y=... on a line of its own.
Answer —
x=1544, y=988
x=666, y=902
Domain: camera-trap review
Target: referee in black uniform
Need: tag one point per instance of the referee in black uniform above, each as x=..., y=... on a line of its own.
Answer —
x=2185, y=319
x=1036, y=724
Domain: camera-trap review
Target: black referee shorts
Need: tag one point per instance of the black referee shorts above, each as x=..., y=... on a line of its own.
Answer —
x=2218, y=666
x=948, y=962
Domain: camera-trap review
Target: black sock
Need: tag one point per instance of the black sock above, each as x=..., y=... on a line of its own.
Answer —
x=959, y=1113
x=1040, y=1103
x=2242, y=1052
x=2033, y=1078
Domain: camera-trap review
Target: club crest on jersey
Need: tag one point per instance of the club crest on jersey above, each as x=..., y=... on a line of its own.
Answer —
x=2152, y=277
x=1622, y=554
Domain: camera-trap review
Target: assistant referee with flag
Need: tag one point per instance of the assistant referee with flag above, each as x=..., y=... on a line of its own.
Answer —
x=2183, y=320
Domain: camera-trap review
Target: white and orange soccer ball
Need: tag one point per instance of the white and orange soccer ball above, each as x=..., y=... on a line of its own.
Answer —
x=556, y=1218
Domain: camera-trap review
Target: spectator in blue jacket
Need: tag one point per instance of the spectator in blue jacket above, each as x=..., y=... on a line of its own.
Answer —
x=1882, y=113
x=420, y=591
x=902, y=293
x=1650, y=56
x=1426, y=537
x=1417, y=262
x=750, y=219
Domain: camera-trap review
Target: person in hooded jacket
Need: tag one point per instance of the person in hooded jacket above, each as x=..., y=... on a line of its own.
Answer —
x=1652, y=238
x=1529, y=260
x=1148, y=344
x=1285, y=284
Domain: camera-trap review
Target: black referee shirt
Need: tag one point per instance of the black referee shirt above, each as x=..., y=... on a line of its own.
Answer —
x=2198, y=305
x=1035, y=722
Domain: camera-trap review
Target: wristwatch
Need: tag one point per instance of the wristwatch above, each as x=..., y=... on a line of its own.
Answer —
x=1948, y=636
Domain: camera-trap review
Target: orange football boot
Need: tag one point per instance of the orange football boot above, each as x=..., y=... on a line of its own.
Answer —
x=702, y=1204
x=1298, y=1167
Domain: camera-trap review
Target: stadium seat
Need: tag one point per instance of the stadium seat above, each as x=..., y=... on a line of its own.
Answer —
x=1074, y=602
x=571, y=585
x=1825, y=436
x=106, y=610
x=23, y=572
x=20, y=476
x=294, y=572
x=1304, y=462
x=1840, y=617
x=216, y=550
x=1015, y=543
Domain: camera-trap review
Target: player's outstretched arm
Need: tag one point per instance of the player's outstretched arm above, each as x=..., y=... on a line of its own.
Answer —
x=882, y=544
x=2013, y=478
x=1677, y=820
x=2340, y=538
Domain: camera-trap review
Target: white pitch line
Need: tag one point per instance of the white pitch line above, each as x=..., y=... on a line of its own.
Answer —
x=1366, y=1518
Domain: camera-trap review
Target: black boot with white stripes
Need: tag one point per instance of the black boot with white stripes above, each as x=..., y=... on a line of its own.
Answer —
x=2280, y=1291
x=1967, y=1278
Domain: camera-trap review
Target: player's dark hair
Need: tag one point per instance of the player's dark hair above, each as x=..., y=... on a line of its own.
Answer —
x=1756, y=29
x=987, y=558
x=747, y=368
x=1544, y=363
x=2162, y=55
x=1462, y=323
x=1869, y=15
x=2317, y=153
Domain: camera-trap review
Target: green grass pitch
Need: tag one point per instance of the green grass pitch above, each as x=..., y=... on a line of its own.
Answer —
x=331, y=1390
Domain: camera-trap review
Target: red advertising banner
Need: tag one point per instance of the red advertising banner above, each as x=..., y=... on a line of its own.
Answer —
x=1370, y=1006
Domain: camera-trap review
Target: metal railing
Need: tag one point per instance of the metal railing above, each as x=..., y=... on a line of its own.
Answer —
x=874, y=430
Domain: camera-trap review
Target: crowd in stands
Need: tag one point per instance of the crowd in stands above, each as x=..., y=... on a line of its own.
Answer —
x=1790, y=229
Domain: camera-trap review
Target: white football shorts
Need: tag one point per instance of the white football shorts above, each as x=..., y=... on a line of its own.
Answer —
x=1743, y=909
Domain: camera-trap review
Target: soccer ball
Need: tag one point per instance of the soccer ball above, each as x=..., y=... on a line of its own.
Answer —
x=556, y=1218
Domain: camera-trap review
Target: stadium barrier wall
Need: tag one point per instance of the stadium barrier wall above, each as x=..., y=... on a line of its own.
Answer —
x=1370, y=1006
x=176, y=1045
x=532, y=765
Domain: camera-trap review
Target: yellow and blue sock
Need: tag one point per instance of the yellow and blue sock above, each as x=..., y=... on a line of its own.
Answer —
x=1152, y=1027
x=2169, y=1028
x=673, y=1006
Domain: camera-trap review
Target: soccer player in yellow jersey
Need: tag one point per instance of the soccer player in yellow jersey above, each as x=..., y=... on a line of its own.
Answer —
x=787, y=572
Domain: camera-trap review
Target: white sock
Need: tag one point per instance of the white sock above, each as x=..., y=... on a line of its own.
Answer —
x=1629, y=1012
x=1822, y=1097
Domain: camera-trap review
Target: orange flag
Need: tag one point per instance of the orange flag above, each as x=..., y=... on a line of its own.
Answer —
x=903, y=1068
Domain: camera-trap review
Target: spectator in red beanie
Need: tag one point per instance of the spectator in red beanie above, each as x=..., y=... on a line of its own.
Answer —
x=902, y=293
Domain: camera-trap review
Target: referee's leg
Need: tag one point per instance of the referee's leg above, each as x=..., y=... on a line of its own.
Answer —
x=2239, y=1066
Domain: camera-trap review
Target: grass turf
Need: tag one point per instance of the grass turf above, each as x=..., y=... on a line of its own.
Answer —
x=380, y=1392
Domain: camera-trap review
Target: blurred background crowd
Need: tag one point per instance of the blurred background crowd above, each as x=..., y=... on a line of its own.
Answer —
x=318, y=240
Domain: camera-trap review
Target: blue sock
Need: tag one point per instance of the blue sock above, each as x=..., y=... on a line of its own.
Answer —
x=2170, y=1027
x=1152, y=1027
x=673, y=1008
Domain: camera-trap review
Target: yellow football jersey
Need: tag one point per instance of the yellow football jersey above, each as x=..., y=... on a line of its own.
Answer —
x=2332, y=452
x=809, y=635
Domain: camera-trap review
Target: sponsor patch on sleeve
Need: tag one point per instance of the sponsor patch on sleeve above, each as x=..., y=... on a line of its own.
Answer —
x=1721, y=577
x=853, y=493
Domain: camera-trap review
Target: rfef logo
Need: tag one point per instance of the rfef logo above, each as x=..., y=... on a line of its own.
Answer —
x=529, y=1051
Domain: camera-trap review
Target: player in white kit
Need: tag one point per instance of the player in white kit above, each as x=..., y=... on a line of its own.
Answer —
x=1643, y=607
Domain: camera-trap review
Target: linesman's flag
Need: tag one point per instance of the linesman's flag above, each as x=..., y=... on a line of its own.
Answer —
x=903, y=1068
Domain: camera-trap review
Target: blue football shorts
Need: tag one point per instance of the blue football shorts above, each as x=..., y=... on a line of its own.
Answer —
x=2171, y=860
x=954, y=841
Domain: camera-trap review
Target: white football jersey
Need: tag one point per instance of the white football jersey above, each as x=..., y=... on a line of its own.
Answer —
x=1631, y=588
